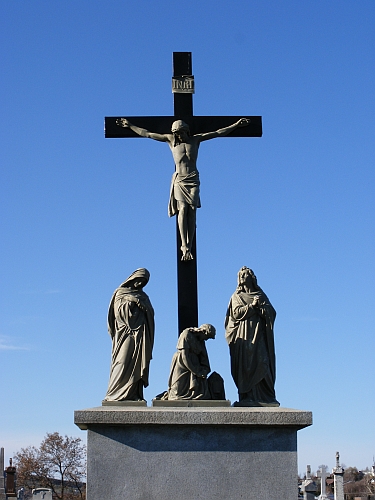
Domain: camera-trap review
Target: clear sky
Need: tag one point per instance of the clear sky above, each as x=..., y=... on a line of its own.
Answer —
x=79, y=212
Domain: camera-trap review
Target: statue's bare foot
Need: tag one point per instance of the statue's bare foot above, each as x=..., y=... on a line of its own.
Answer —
x=186, y=254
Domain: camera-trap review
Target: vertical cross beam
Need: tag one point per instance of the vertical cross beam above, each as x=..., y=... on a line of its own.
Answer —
x=186, y=270
x=322, y=473
x=183, y=110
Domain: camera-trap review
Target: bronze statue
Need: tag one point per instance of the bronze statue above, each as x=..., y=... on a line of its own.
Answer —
x=184, y=197
x=249, y=332
x=131, y=327
x=190, y=367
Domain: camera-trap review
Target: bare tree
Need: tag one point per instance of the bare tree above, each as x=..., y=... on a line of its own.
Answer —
x=358, y=483
x=59, y=463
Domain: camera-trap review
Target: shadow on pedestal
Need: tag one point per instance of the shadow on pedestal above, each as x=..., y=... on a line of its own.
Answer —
x=192, y=453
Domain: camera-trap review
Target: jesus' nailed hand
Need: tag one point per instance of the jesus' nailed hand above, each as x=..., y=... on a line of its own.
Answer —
x=184, y=197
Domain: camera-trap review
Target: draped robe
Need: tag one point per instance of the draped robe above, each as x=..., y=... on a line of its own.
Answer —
x=189, y=363
x=249, y=333
x=132, y=331
x=184, y=188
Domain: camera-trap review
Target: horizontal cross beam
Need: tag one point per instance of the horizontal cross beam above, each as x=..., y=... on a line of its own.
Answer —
x=197, y=124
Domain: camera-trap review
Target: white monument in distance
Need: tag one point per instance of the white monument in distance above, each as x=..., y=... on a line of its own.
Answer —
x=322, y=473
x=42, y=494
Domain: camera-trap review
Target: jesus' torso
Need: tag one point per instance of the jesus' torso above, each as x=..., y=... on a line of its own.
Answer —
x=185, y=155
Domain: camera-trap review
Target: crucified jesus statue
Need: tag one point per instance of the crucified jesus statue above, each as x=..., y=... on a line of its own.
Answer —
x=184, y=197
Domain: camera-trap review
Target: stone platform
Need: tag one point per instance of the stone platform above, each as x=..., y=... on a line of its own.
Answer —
x=163, y=453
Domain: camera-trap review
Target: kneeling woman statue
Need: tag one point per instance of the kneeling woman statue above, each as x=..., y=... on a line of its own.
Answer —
x=190, y=367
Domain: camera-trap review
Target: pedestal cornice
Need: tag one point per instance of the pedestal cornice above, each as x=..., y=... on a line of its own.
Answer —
x=255, y=417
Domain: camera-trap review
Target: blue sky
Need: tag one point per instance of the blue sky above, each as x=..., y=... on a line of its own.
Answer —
x=80, y=212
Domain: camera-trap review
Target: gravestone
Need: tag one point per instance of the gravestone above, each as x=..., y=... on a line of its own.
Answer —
x=2, y=478
x=308, y=486
x=42, y=494
x=322, y=473
x=10, y=475
x=338, y=479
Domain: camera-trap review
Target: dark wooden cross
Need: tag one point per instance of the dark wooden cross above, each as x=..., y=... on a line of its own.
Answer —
x=183, y=87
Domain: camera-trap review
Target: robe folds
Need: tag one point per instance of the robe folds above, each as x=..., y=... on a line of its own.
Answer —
x=184, y=188
x=249, y=333
x=131, y=327
x=189, y=363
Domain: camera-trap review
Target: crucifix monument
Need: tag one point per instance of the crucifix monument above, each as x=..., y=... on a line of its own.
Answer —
x=194, y=447
x=184, y=132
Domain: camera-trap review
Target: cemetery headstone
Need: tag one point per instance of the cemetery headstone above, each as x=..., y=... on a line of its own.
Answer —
x=42, y=494
x=322, y=473
x=308, y=486
x=10, y=487
x=338, y=478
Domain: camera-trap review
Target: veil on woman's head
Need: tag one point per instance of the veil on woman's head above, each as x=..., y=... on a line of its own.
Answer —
x=138, y=274
x=251, y=272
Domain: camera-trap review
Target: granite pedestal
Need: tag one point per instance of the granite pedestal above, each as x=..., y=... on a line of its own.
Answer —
x=193, y=453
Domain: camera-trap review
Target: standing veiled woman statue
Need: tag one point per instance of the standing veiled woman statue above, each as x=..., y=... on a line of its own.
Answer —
x=249, y=332
x=131, y=327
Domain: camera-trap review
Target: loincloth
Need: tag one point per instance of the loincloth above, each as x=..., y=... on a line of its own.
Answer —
x=184, y=188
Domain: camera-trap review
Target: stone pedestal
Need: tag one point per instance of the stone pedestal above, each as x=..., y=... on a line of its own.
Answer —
x=2, y=489
x=164, y=453
x=338, y=474
x=10, y=474
x=2, y=479
x=339, y=484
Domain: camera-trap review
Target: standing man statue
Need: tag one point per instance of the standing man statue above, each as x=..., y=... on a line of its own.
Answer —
x=131, y=327
x=184, y=197
x=249, y=332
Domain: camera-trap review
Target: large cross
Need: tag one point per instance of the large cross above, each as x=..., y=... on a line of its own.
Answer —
x=183, y=89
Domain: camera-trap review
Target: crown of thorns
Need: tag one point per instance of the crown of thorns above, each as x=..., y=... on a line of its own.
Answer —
x=179, y=125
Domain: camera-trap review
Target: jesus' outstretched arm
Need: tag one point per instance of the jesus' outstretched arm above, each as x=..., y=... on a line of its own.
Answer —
x=243, y=122
x=123, y=122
